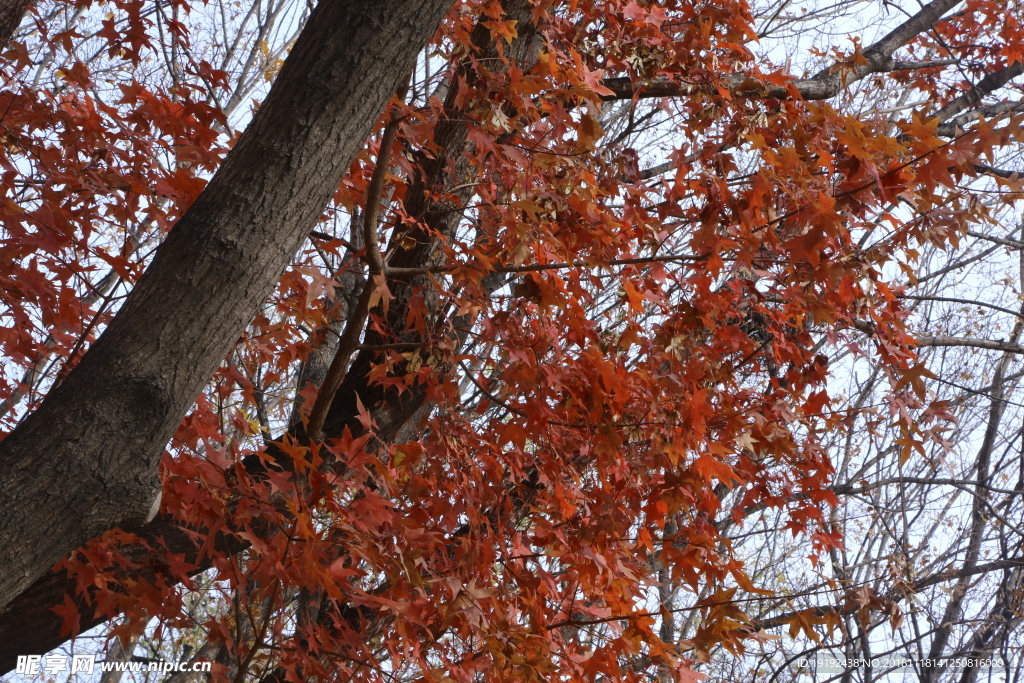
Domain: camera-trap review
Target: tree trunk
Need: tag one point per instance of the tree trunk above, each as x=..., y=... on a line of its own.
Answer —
x=86, y=460
x=29, y=626
x=11, y=14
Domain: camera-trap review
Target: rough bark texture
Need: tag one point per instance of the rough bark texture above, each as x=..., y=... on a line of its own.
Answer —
x=28, y=626
x=86, y=460
x=393, y=413
x=11, y=14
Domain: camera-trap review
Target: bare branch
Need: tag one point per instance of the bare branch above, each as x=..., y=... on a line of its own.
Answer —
x=950, y=127
x=985, y=86
x=823, y=85
x=1013, y=244
x=987, y=344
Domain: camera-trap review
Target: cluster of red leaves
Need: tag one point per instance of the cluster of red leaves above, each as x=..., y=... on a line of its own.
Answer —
x=89, y=178
x=581, y=445
x=986, y=34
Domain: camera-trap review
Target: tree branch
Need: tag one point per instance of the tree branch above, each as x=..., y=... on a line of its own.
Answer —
x=987, y=85
x=349, y=342
x=950, y=127
x=99, y=435
x=824, y=85
x=1006, y=242
x=917, y=586
x=987, y=344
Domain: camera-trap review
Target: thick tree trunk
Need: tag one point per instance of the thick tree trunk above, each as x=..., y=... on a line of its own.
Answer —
x=86, y=460
x=11, y=14
x=29, y=626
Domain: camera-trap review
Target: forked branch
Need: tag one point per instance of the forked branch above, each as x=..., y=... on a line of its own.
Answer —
x=349, y=342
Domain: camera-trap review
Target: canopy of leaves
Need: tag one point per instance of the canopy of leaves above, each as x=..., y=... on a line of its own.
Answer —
x=622, y=315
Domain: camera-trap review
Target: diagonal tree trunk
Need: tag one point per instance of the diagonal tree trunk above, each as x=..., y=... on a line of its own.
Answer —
x=28, y=625
x=86, y=460
x=391, y=412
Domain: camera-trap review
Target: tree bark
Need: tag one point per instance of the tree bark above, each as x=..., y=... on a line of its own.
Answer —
x=29, y=626
x=391, y=412
x=11, y=14
x=86, y=461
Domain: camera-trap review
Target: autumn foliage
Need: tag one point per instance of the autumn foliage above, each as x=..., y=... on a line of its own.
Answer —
x=568, y=360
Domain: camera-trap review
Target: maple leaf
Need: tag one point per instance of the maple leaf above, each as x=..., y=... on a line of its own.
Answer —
x=71, y=618
x=380, y=292
x=617, y=270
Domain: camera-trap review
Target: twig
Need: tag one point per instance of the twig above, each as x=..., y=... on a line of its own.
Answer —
x=349, y=341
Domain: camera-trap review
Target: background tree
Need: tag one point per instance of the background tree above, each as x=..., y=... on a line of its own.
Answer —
x=582, y=316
